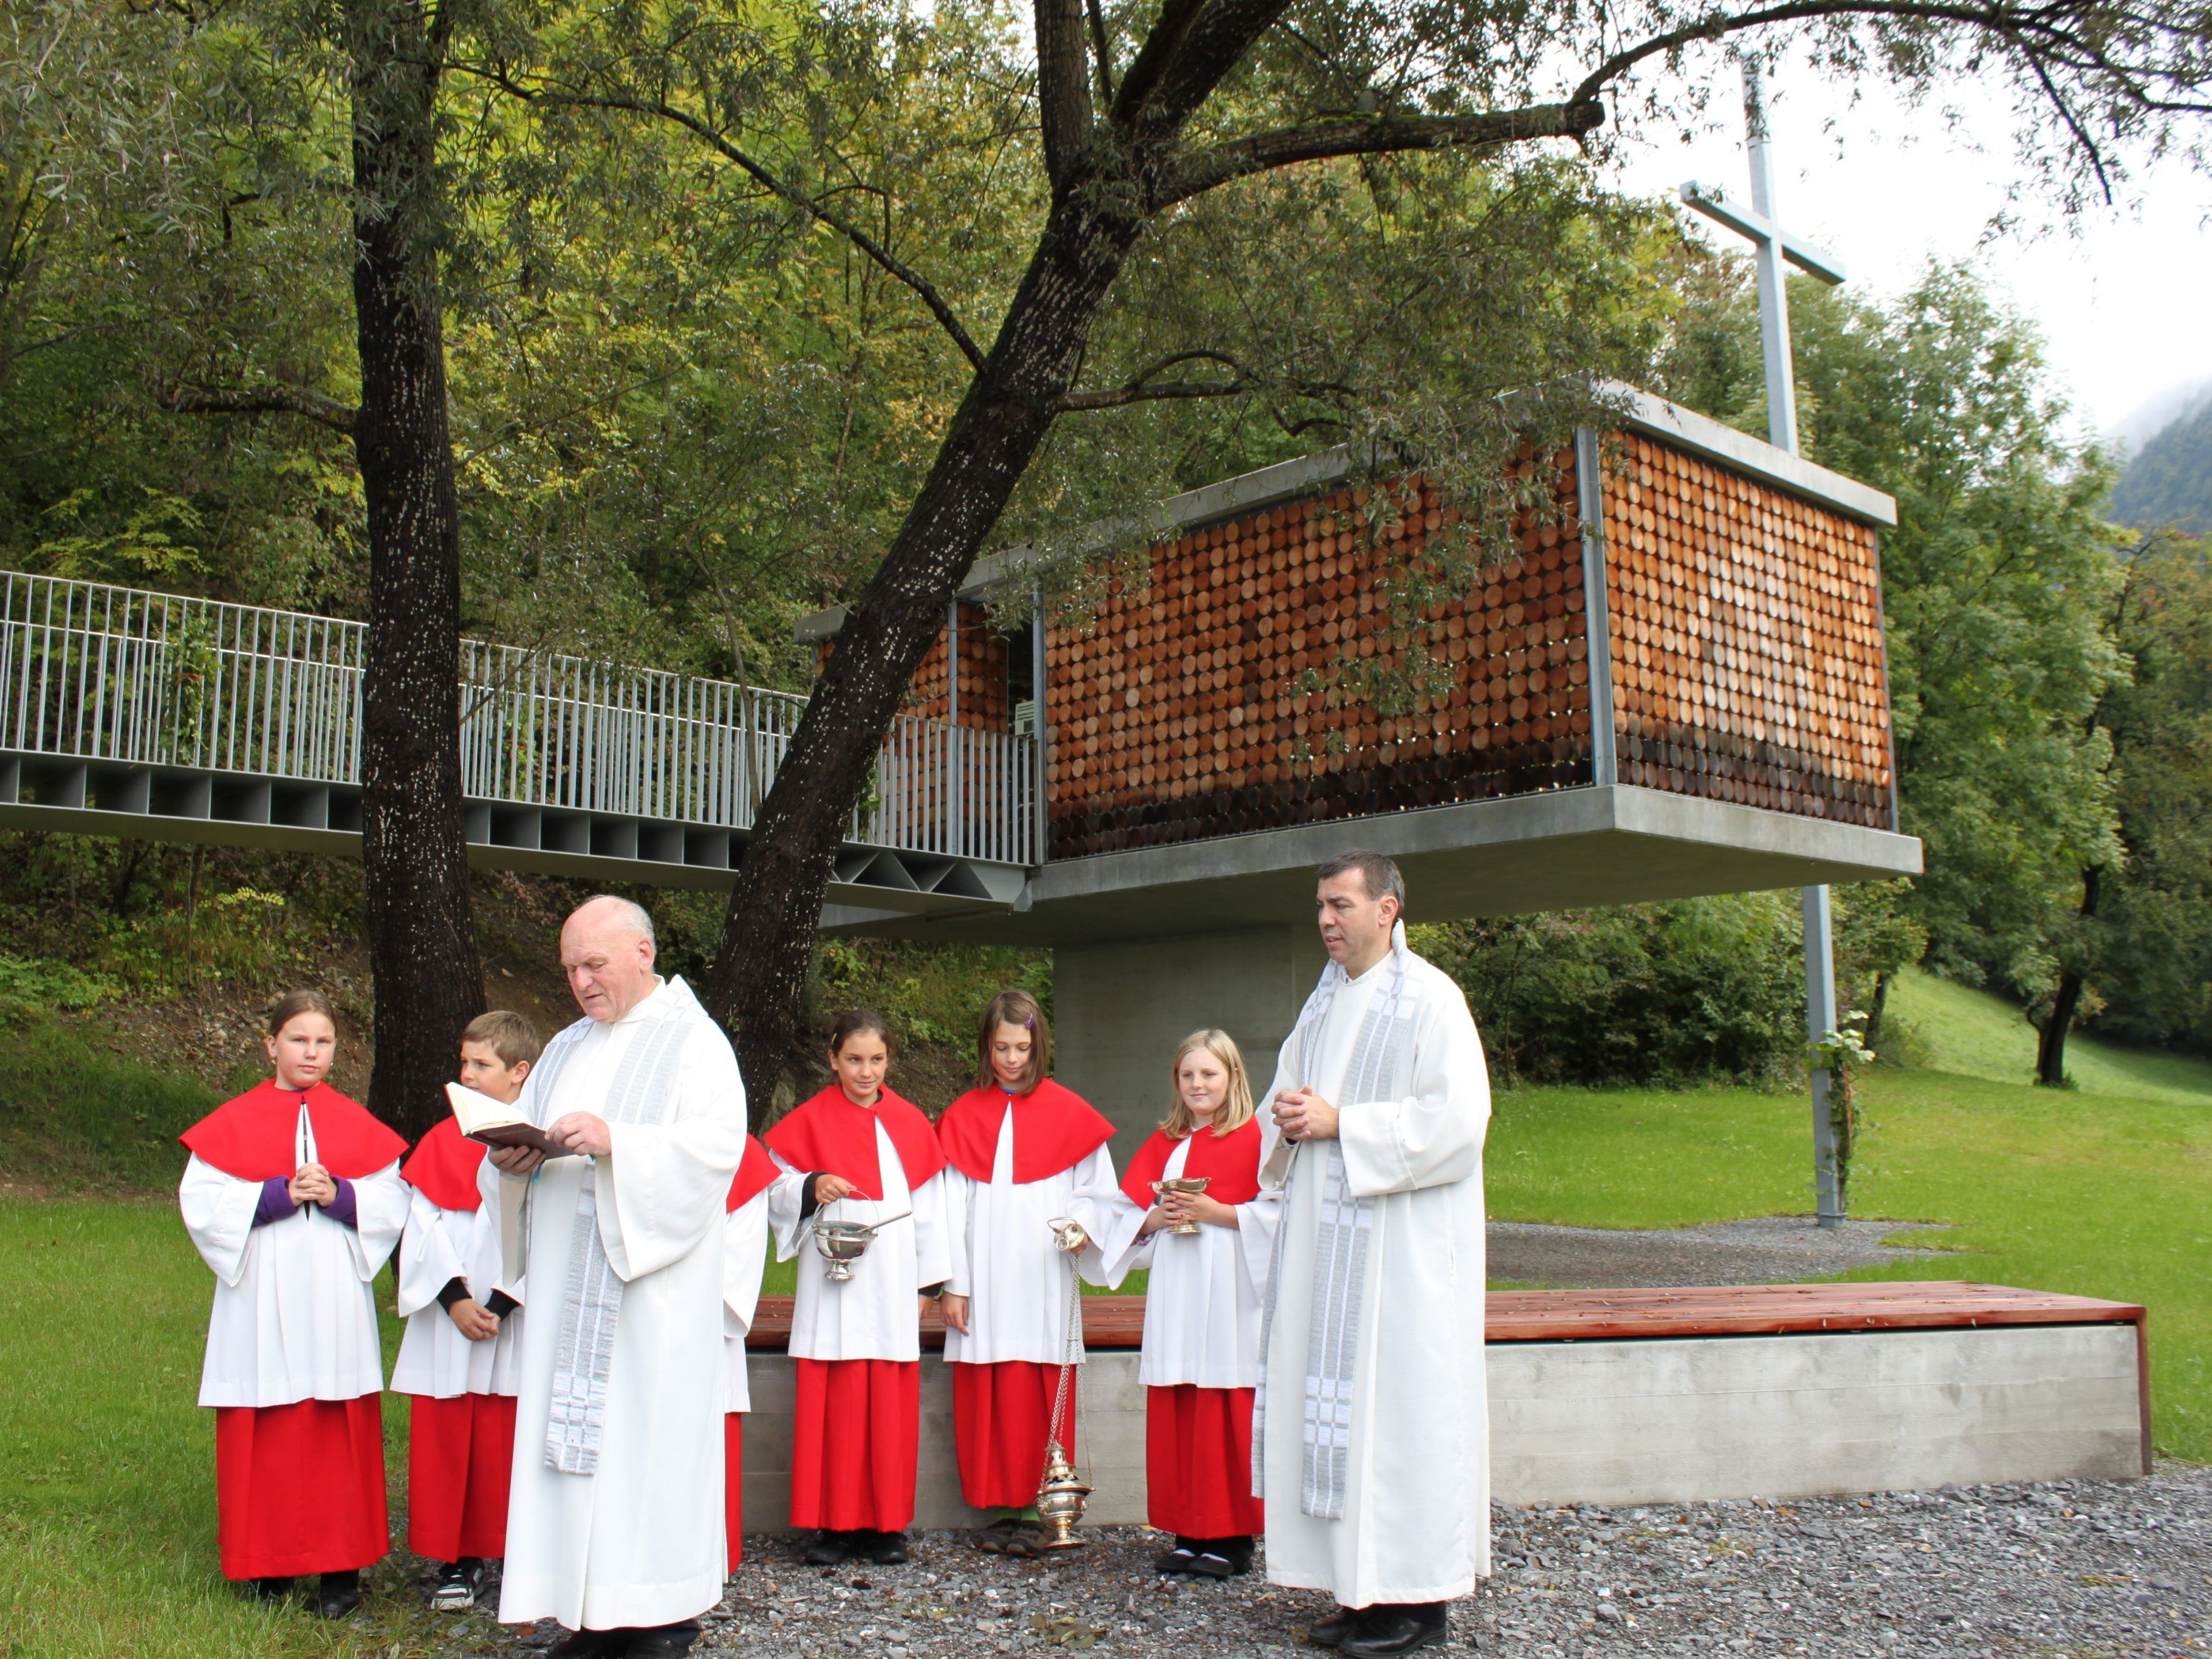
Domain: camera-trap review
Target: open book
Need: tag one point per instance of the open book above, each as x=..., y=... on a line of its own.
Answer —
x=495, y=1123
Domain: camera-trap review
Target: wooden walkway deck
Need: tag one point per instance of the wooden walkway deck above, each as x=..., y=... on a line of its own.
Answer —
x=1118, y=1322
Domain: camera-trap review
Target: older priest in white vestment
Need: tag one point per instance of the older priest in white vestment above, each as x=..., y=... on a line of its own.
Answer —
x=1371, y=1441
x=615, y=1518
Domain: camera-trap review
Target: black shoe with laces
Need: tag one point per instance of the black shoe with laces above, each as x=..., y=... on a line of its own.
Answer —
x=1344, y=1623
x=338, y=1593
x=1391, y=1629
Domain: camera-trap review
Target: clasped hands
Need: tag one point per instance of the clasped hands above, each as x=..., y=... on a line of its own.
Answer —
x=1174, y=1209
x=311, y=1183
x=1302, y=1115
x=574, y=1132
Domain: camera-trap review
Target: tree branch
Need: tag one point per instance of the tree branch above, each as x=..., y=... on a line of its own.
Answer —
x=1153, y=59
x=1142, y=388
x=1241, y=158
x=813, y=207
x=263, y=400
x=1102, y=51
x=1063, y=87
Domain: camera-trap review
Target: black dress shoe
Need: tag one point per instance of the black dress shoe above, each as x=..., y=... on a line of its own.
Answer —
x=1343, y=1623
x=829, y=1549
x=1181, y=1559
x=1238, y=1552
x=886, y=1549
x=268, y=1589
x=591, y=1644
x=339, y=1595
x=1392, y=1629
x=663, y=1641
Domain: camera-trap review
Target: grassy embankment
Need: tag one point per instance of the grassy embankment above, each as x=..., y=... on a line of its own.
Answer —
x=107, y=1523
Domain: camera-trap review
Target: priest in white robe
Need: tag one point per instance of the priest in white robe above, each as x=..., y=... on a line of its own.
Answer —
x=1371, y=1444
x=614, y=1520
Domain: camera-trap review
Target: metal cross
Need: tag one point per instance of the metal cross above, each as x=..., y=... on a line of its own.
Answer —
x=1771, y=244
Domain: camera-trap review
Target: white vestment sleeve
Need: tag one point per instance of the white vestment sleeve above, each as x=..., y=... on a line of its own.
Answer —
x=785, y=1194
x=1256, y=1221
x=745, y=1248
x=1093, y=1204
x=663, y=1185
x=1432, y=1137
x=428, y=1261
x=956, y=1185
x=380, y=1216
x=932, y=1234
x=219, y=1216
x=1121, y=1252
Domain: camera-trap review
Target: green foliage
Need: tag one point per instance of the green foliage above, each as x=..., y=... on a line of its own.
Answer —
x=30, y=985
x=75, y=1113
x=1694, y=990
x=933, y=993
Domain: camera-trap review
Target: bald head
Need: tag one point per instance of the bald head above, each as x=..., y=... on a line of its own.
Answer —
x=607, y=951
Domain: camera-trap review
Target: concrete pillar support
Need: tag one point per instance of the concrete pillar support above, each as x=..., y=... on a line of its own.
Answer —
x=1119, y=1010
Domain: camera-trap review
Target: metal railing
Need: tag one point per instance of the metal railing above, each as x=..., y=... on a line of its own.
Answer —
x=100, y=674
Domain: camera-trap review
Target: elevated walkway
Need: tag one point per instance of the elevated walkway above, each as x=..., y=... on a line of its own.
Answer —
x=133, y=714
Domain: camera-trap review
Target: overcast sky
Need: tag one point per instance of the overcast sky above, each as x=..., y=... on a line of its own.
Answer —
x=2124, y=302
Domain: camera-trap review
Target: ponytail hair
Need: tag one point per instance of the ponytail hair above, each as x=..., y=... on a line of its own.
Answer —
x=1014, y=1008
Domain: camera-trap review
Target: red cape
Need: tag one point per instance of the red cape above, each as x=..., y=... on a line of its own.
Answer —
x=831, y=1134
x=1054, y=1129
x=1230, y=1163
x=443, y=1166
x=753, y=1175
x=258, y=1135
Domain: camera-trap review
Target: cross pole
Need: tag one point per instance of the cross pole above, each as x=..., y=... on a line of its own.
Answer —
x=1772, y=245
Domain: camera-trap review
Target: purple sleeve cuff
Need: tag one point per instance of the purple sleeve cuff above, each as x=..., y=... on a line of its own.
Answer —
x=343, y=1207
x=276, y=1201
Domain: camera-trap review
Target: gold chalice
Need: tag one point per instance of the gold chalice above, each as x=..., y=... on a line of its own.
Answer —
x=1193, y=1184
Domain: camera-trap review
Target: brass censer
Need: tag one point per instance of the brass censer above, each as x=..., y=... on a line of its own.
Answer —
x=1061, y=1499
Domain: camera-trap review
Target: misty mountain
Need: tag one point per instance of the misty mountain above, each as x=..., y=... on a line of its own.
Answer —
x=2169, y=479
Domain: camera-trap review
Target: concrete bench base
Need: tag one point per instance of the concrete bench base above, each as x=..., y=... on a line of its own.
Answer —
x=1629, y=1397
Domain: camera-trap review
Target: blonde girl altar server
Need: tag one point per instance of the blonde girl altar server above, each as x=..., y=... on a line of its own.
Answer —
x=745, y=1249
x=457, y=1360
x=294, y=1199
x=859, y=1152
x=1021, y=1151
x=1201, y=1353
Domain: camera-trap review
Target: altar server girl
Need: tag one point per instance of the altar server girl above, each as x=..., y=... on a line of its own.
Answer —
x=745, y=1251
x=293, y=1198
x=1201, y=1356
x=1021, y=1151
x=857, y=1152
x=464, y=1328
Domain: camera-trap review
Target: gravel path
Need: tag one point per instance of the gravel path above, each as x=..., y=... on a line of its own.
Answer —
x=2077, y=1570
x=1769, y=1251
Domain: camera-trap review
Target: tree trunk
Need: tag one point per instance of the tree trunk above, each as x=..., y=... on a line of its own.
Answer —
x=1871, y=1037
x=767, y=950
x=421, y=940
x=2050, y=1048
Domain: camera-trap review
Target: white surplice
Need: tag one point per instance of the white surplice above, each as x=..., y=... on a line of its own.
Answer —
x=293, y=1317
x=638, y=1542
x=872, y=1315
x=745, y=1251
x=1003, y=1258
x=1202, y=1301
x=1416, y=1525
x=439, y=1246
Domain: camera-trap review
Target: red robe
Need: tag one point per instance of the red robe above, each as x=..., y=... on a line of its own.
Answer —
x=756, y=1173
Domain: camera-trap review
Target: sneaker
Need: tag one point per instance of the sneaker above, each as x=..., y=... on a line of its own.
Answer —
x=456, y=1589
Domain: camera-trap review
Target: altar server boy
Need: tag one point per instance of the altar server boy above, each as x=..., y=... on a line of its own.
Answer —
x=464, y=1329
x=1021, y=1151
x=293, y=1197
x=858, y=1152
x=1201, y=1355
x=745, y=1251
